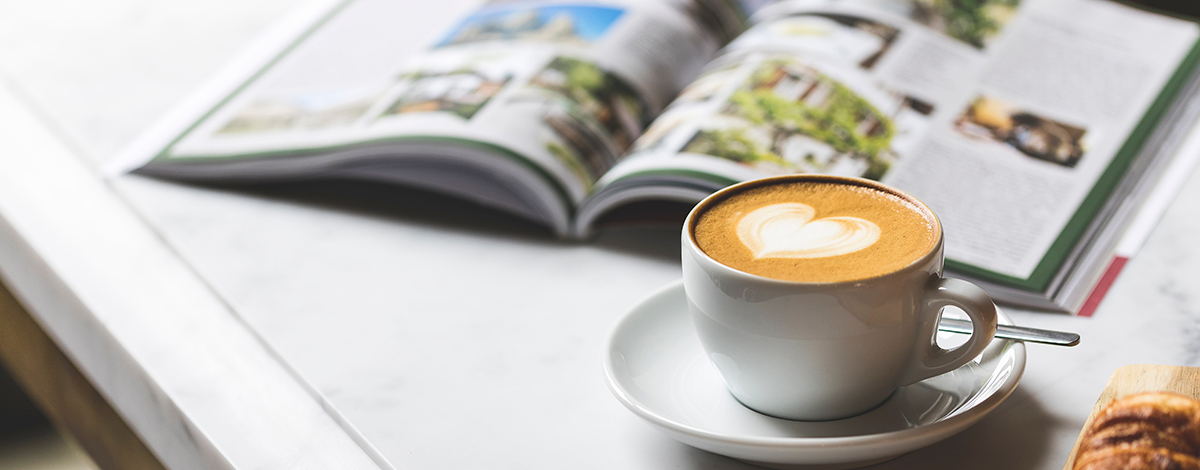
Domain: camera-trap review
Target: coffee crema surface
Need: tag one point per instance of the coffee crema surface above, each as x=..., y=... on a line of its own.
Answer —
x=815, y=231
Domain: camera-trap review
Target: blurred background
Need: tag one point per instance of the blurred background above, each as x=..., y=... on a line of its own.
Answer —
x=27, y=439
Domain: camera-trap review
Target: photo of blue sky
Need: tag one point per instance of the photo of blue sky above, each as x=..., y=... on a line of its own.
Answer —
x=554, y=23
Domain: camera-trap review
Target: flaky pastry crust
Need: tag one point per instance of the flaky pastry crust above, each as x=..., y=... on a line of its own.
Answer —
x=1152, y=430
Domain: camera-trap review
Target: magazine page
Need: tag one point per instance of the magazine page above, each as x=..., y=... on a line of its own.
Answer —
x=804, y=90
x=564, y=86
x=1032, y=103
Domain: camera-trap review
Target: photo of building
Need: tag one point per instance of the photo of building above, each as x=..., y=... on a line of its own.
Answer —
x=462, y=93
x=791, y=117
x=459, y=82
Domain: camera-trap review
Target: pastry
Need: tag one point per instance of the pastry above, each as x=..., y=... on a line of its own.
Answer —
x=1153, y=430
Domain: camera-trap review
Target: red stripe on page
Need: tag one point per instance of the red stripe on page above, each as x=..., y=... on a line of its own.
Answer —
x=1106, y=281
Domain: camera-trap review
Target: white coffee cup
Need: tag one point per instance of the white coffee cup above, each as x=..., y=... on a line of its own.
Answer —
x=822, y=351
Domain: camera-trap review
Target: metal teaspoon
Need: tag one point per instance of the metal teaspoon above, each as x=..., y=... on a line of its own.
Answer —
x=1019, y=333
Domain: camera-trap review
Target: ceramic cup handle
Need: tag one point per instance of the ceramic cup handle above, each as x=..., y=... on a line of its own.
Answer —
x=930, y=358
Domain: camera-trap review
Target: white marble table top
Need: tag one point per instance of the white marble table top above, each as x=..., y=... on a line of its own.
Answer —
x=427, y=334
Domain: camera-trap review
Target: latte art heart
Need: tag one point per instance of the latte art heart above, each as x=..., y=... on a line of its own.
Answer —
x=787, y=230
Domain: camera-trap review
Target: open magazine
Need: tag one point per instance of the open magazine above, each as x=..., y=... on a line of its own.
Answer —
x=1032, y=127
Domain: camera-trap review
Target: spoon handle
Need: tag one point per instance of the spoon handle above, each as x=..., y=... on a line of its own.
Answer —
x=1019, y=333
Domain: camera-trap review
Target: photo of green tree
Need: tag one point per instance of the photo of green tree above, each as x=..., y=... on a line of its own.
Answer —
x=595, y=115
x=971, y=21
x=583, y=148
x=790, y=117
x=612, y=102
x=734, y=144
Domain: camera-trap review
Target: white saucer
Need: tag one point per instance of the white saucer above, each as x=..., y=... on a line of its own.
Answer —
x=656, y=368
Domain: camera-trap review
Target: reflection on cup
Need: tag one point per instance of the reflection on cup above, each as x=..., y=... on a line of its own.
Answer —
x=817, y=296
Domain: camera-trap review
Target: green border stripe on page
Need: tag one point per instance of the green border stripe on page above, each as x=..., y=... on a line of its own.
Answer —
x=1091, y=205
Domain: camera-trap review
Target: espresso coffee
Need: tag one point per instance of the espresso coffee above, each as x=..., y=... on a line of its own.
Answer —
x=831, y=230
x=863, y=319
